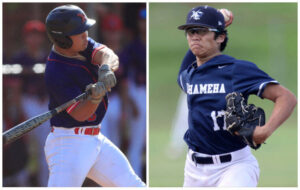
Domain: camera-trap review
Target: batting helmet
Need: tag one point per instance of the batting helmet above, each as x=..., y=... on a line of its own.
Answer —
x=65, y=21
x=204, y=16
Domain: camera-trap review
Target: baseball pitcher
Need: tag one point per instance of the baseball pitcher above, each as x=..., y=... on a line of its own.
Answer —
x=221, y=123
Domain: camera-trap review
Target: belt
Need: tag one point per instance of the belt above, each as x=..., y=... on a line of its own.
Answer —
x=84, y=130
x=209, y=160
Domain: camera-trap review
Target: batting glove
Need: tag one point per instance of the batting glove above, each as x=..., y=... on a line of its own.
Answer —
x=96, y=92
x=107, y=76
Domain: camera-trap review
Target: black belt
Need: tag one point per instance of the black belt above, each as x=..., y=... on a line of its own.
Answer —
x=209, y=160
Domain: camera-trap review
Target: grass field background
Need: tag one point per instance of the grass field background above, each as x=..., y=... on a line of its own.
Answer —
x=264, y=33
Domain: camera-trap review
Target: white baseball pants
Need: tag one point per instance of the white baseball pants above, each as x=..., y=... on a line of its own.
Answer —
x=241, y=171
x=71, y=158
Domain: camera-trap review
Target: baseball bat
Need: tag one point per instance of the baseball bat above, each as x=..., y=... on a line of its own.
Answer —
x=18, y=131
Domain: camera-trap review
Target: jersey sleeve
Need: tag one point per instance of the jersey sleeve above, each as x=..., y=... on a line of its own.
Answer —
x=249, y=79
x=61, y=92
x=188, y=59
x=66, y=84
x=91, y=49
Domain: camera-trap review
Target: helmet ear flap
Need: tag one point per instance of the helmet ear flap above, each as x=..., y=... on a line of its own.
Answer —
x=64, y=42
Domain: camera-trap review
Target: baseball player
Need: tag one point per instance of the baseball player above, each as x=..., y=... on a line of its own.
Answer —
x=217, y=157
x=75, y=148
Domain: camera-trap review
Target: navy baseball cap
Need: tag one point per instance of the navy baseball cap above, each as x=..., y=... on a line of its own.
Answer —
x=204, y=16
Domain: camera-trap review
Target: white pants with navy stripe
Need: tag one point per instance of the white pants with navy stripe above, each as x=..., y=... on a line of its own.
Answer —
x=241, y=171
x=71, y=158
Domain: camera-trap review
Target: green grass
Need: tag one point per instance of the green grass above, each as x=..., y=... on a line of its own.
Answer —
x=278, y=158
x=163, y=170
x=264, y=33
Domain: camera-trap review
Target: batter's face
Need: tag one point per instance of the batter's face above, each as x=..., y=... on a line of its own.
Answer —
x=203, y=43
x=80, y=42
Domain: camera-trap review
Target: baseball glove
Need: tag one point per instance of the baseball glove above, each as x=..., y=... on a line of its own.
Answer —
x=241, y=119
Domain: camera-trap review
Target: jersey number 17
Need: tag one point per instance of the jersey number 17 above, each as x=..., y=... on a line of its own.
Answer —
x=215, y=115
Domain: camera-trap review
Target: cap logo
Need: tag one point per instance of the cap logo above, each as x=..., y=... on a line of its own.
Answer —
x=196, y=15
x=83, y=19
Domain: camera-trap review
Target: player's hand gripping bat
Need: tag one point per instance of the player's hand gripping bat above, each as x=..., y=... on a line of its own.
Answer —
x=18, y=131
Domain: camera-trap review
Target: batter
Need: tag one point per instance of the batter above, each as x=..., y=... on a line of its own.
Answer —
x=75, y=148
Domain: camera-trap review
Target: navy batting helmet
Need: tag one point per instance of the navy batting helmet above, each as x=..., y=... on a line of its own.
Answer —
x=204, y=16
x=65, y=21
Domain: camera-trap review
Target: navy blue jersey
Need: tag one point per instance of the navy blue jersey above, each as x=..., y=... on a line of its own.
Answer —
x=67, y=78
x=206, y=87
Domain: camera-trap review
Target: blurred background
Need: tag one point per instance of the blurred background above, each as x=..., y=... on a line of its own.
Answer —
x=264, y=33
x=120, y=26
